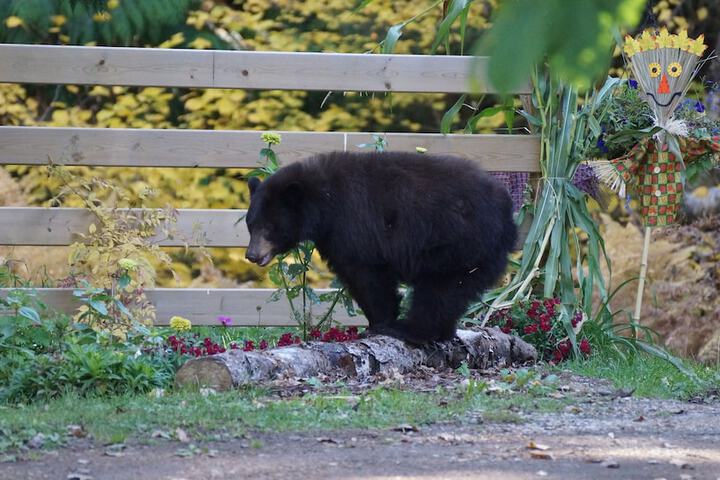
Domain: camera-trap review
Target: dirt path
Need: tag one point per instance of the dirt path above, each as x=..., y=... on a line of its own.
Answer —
x=603, y=435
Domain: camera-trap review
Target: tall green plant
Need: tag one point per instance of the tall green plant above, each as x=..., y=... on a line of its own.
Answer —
x=569, y=128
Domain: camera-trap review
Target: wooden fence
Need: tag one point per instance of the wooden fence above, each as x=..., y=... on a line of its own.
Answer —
x=42, y=64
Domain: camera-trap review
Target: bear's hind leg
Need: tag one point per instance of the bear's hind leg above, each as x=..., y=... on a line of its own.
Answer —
x=375, y=289
x=437, y=304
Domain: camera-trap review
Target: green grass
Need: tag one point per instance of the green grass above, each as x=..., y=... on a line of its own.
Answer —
x=649, y=376
x=231, y=414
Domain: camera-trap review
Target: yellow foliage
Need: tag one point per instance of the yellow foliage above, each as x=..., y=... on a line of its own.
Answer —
x=13, y=22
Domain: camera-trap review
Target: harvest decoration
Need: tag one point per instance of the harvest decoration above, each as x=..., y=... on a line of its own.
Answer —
x=653, y=171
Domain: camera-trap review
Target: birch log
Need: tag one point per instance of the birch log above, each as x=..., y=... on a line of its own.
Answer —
x=361, y=359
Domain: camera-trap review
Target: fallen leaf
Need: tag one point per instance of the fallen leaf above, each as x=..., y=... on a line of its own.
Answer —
x=182, y=435
x=542, y=455
x=76, y=431
x=406, y=428
x=537, y=446
x=115, y=450
x=326, y=440
x=639, y=419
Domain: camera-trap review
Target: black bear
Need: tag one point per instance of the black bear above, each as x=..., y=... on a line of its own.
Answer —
x=437, y=223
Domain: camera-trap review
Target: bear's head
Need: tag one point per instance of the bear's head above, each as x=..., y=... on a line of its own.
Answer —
x=274, y=217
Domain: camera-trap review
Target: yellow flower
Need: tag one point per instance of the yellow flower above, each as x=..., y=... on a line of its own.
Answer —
x=180, y=324
x=13, y=22
x=128, y=264
x=58, y=20
x=102, y=17
x=271, y=138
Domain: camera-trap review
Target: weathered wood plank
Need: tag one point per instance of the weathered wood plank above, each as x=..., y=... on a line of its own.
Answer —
x=52, y=64
x=226, y=149
x=246, y=307
x=60, y=226
x=38, y=226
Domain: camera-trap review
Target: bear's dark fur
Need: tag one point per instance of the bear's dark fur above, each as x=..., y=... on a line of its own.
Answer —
x=437, y=223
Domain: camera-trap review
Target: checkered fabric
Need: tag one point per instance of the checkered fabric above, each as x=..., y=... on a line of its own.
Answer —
x=655, y=178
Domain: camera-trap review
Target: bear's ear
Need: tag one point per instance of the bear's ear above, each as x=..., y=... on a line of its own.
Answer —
x=253, y=183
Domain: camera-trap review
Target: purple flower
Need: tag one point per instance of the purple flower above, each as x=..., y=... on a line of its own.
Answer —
x=699, y=107
x=601, y=145
x=226, y=321
x=633, y=84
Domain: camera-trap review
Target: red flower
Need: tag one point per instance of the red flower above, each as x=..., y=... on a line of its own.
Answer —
x=234, y=346
x=545, y=325
x=530, y=329
x=352, y=333
x=506, y=329
x=558, y=356
x=585, y=346
x=263, y=345
x=315, y=333
x=565, y=347
x=285, y=340
x=249, y=346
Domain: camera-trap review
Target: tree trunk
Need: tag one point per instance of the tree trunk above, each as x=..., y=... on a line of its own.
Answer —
x=361, y=358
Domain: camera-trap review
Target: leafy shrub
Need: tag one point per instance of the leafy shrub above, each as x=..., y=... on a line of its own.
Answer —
x=46, y=354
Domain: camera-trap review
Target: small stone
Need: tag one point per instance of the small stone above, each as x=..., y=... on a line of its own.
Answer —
x=680, y=463
x=78, y=476
x=83, y=461
x=37, y=441
x=685, y=476
x=610, y=464
x=541, y=473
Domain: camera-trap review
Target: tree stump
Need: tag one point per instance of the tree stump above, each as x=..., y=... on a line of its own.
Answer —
x=360, y=358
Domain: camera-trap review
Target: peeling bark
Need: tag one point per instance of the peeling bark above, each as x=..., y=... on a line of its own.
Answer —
x=361, y=358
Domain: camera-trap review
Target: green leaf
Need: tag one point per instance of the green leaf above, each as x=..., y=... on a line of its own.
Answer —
x=449, y=117
x=30, y=314
x=99, y=307
x=393, y=34
x=457, y=7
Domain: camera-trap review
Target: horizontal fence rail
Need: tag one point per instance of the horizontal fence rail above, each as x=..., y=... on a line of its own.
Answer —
x=224, y=149
x=246, y=306
x=40, y=226
x=51, y=64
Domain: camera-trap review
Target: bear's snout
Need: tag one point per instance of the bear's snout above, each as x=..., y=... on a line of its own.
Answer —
x=259, y=251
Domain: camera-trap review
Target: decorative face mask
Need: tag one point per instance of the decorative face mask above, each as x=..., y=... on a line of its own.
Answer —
x=664, y=65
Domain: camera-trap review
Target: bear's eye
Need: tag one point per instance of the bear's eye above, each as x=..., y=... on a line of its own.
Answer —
x=654, y=69
x=674, y=69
